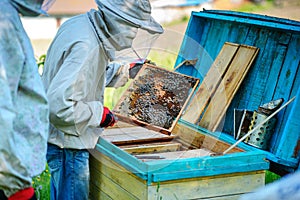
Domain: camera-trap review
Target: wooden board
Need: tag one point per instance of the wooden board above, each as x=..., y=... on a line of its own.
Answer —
x=224, y=187
x=152, y=147
x=177, y=155
x=114, y=180
x=228, y=87
x=134, y=135
x=210, y=83
x=109, y=180
x=274, y=74
x=193, y=137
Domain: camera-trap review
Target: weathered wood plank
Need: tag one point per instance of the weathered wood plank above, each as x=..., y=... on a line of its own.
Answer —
x=152, y=148
x=120, y=187
x=130, y=130
x=103, y=167
x=228, y=87
x=256, y=37
x=113, y=189
x=143, y=140
x=196, y=139
x=238, y=33
x=226, y=197
x=196, y=50
x=97, y=194
x=210, y=83
x=132, y=135
x=195, y=153
x=208, y=187
x=285, y=87
x=268, y=67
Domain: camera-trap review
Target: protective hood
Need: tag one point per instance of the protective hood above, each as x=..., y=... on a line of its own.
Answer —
x=32, y=7
x=137, y=12
x=123, y=40
x=114, y=32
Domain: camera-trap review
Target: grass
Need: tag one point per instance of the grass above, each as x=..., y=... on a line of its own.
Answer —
x=271, y=177
x=248, y=6
x=41, y=185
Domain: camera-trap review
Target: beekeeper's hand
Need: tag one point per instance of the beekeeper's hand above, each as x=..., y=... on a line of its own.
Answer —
x=121, y=77
x=108, y=118
x=135, y=67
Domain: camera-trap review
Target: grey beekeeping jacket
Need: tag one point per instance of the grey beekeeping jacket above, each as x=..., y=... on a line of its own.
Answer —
x=23, y=105
x=75, y=75
x=286, y=188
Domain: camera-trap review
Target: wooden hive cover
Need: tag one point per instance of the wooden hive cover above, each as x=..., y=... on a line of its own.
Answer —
x=274, y=74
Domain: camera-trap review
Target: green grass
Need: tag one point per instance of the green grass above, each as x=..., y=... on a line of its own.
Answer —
x=271, y=177
x=252, y=7
x=41, y=185
x=178, y=21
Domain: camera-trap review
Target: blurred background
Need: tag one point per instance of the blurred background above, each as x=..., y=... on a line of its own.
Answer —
x=172, y=14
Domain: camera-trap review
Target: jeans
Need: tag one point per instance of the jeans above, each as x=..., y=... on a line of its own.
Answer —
x=69, y=170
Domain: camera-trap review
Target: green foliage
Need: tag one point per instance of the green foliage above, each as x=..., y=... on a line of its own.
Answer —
x=271, y=177
x=157, y=191
x=163, y=59
x=183, y=19
x=41, y=185
x=249, y=6
x=40, y=61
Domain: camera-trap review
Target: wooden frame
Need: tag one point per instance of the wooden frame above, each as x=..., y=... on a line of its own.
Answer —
x=122, y=107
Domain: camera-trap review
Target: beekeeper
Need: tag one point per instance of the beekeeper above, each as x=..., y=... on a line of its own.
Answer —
x=23, y=105
x=286, y=188
x=89, y=52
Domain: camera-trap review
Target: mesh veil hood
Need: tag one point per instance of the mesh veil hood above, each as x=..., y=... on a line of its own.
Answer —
x=30, y=7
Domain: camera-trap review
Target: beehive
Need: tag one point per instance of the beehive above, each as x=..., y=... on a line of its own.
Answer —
x=183, y=167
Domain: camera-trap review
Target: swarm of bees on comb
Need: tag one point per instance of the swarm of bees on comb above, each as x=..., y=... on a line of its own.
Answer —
x=156, y=96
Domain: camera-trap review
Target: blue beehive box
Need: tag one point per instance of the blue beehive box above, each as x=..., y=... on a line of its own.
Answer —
x=275, y=73
x=117, y=173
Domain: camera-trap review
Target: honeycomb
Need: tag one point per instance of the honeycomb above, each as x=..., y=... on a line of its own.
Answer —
x=156, y=96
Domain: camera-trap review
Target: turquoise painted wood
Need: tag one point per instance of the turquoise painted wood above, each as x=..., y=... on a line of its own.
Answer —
x=275, y=73
x=167, y=170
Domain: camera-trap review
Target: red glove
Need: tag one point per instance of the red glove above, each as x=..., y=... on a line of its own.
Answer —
x=26, y=194
x=108, y=118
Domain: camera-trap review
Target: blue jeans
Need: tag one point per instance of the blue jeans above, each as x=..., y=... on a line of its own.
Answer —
x=70, y=174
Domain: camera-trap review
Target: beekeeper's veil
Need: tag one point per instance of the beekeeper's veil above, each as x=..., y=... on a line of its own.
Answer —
x=32, y=7
x=133, y=30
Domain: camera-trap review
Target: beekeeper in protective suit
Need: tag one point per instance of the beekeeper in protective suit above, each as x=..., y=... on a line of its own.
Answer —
x=23, y=105
x=89, y=52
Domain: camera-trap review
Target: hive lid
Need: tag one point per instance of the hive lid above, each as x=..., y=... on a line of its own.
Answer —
x=156, y=98
x=273, y=75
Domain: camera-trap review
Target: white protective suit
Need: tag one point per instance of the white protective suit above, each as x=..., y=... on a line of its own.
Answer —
x=286, y=188
x=76, y=73
x=23, y=105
